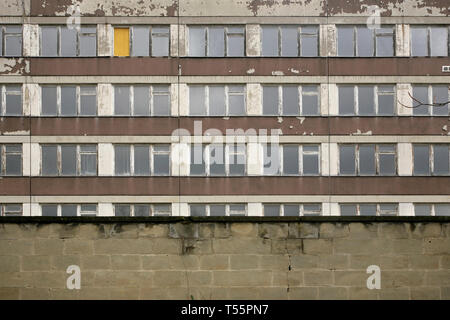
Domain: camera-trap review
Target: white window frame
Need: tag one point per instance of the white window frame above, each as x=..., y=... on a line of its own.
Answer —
x=3, y=98
x=150, y=37
x=428, y=38
x=378, y=210
x=79, y=94
x=80, y=34
x=300, y=159
x=375, y=35
x=432, y=209
x=376, y=94
x=79, y=211
x=300, y=99
x=301, y=211
x=151, y=208
x=227, y=208
x=3, y=158
x=300, y=35
x=377, y=159
x=4, y=35
x=227, y=35
x=151, y=104
x=430, y=100
x=228, y=93
x=3, y=211
x=152, y=153
x=430, y=158
x=78, y=160
x=228, y=152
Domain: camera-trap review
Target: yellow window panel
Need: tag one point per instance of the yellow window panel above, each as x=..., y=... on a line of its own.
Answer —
x=121, y=42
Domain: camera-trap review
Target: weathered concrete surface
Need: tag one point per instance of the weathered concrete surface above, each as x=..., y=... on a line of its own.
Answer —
x=14, y=66
x=225, y=260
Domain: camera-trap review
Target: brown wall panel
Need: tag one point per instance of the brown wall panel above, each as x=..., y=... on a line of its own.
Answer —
x=288, y=125
x=238, y=66
x=14, y=125
x=14, y=186
x=238, y=186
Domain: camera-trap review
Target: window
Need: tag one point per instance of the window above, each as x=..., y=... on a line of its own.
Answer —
x=218, y=160
x=142, y=160
x=11, y=160
x=11, y=209
x=367, y=100
x=220, y=100
x=290, y=159
x=142, y=210
x=69, y=100
x=218, y=210
x=292, y=210
x=430, y=94
x=69, y=160
x=60, y=41
x=69, y=210
x=429, y=41
x=11, y=41
x=369, y=209
x=428, y=209
x=216, y=41
x=141, y=100
x=11, y=100
x=367, y=159
x=431, y=159
x=290, y=41
x=360, y=41
x=290, y=100
x=145, y=41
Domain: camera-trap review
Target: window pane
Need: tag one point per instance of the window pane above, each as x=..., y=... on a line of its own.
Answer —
x=197, y=161
x=420, y=93
x=290, y=159
x=69, y=210
x=13, y=102
x=141, y=101
x=237, y=160
x=141, y=210
x=141, y=160
x=310, y=162
x=385, y=101
x=387, y=164
x=88, y=164
x=291, y=210
x=271, y=210
x=216, y=210
x=385, y=46
x=290, y=101
x=122, y=101
x=160, y=42
x=346, y=100
x=270, y=100
x=198, y=210
x=308, y=43
x=49, y=210
x=68, y=160
x=122, y=210
x=269, y=41
x=237, y=210
x=88, y=46
x=419, y=46
x=442, y=209
x=161, y=105
x=345, y=41
x=49, y=41
x=366, y=101
x=197, y=41
x=68, y=101
x=197, y=101
x=439, y=41
x=217, y=160
x=88, y=103
x=364, y=42
x=271, y=159
x=13, y=210
x=235, y=46
x=13, y=45
x=122, y=160
x=312, y=209
x=422, y=210
x=421, y=160
x=216, y=42
x=348, y=209
x=162, y=210
x=441, y=159
x=217, y=101
x=68, y=42
x=388, y=209
x=161, y=163
x=440, y=95
x=13, y=163
x=368, y=209
x=140, y=45
x=310, y=102
x=49, y=160
x=367, y=160
x=289, y=41
x=347, y=159
x=49, y=101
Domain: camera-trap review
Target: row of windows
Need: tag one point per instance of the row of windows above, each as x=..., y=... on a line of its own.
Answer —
x=228, y=100
x=229, y=41
x=228, y=159
x=232, y=209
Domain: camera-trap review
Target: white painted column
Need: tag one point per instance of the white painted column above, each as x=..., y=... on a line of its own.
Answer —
x=32, y=99
x=405, y=209
x=174, y=100
x=254, y=99
x=334, y=210
x=403, y=99
x=402, y=40
x=324, y=107
x=255, y=164
x=34, y=209
x=35, y=154
x=105, y=98
x=180, y=159
x=404, y=159
x=253, y=40
x=30, y=43
x=105, y=210
x=326, y=208
x=183, y=100
x=105, y=159
x=26, y=156
x=180, y=209
x=334, y=159
x=105, y=40
x=324, y=159
x=255, y=209
x=333, y=100
x=328, y=40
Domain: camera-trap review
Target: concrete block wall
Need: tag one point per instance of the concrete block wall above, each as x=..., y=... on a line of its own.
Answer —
x=225, y=259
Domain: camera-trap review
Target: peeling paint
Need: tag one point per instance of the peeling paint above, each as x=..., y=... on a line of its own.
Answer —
x=14, y=66
x=16, y=133
x=442, y=5
x=301, y=119
x=280, y=120
x=444, y=128
x=251, y=71
x=277, y=73
x=294, y=70
x=359, y=133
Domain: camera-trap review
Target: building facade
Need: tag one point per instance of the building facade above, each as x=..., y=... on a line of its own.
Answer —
x=199, y=108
